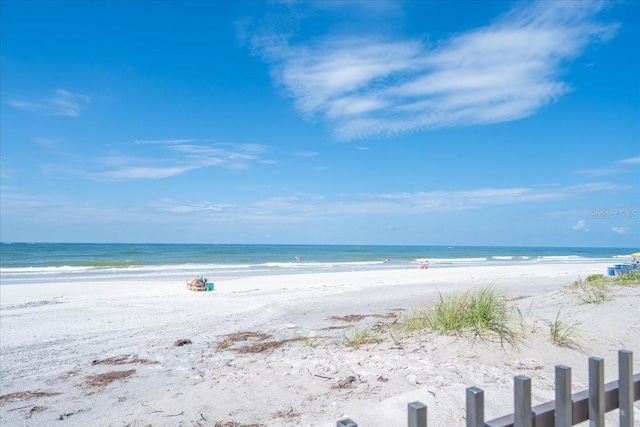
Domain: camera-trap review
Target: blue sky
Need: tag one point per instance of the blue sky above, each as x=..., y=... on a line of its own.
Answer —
x=426, y=123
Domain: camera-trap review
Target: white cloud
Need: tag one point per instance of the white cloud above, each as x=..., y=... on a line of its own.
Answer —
x=620, y=166
x=46, y=142
x=301, y=206
x=6, y=172
x=630, y=161
x=366, y=85
x=581, y=225
x=180, y=156
x=61, y=103
x=620, y=230
x=165, y=141
x=306, y=153
x=178, y=207
x=600, y=172
x=142, y=172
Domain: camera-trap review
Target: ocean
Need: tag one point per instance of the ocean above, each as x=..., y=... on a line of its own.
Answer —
x=75, y=262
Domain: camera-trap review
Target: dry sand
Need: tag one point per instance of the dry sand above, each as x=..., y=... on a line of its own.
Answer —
x=270, y=350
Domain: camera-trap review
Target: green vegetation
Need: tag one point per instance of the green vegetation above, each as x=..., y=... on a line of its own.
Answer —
x=482, y=312
x=415, y=321
x=309, y=341
x=563, y=333
x=357, y=338
x=597, y=288
x=489, y=315
x=594, y=292
x=631, y=279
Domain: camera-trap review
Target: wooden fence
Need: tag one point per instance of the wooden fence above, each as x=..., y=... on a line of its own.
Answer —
x=566, y=410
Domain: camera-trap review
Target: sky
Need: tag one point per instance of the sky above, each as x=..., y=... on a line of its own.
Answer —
x=344, y=122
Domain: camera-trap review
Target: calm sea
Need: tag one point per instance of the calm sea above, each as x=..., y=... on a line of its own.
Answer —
x=56, y=262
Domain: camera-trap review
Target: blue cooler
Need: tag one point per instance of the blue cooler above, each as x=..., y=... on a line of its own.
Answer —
x=611, y=271
x=210, y=286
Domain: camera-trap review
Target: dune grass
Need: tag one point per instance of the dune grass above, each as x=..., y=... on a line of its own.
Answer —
x=487, y=314
x=358, y=337
x=482, y=312
x=594, y=292
x=598, y=288
x=631, y=279
x=563, y=333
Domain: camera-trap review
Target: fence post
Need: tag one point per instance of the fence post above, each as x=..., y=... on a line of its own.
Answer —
x=346, y=423
x=417, y=414
x=522, y=401
x=596, y=392
x=625, y=387
x=564, y=404
x=475, y=407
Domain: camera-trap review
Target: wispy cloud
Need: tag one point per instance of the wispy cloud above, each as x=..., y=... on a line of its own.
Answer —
x=284, y=210
x=6, y=171
x=300, y=206
x=176, y=157
x=165, y=141
x=61, y=103
x=630, y=161
x=370, y=85
x=621, y=230
x=46, y=142
x=620, y=166
x=306, y=153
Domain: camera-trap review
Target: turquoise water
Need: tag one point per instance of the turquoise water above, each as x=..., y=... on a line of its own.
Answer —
x=29, y=262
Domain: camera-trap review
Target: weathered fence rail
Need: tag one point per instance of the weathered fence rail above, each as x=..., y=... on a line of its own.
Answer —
x=565, y=410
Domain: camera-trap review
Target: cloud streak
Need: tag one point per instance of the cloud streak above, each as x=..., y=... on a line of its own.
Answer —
x=300, y=207
x=366, y=86
x=179, y=156
x=296, y=208
x=61, y=103
x=620, y=166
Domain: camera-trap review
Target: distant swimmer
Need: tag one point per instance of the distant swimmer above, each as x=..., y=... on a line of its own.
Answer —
x=424, y=265
x=298, y=258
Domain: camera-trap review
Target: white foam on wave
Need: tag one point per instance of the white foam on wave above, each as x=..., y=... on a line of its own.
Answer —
x=561, y=257
x=43, y=270
x=451, y=260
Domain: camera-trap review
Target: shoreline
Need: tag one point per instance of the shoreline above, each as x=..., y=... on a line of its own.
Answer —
x=369, y=277
x=52, y=335
x=60, y=263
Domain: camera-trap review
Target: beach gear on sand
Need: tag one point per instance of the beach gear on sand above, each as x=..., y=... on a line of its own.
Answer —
x=200, y=283
x=622, y=269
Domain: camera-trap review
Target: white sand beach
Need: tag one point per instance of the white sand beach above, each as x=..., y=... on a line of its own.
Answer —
x=270, y=350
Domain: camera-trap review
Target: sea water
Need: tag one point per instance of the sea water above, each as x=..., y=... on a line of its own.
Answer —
x=64, y=262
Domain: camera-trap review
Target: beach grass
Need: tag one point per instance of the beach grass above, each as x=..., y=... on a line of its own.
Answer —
x=563, y=333
x=595, y=291
x=631, y=279
x=356, y=338
x=482, y=312
x=598, y=289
